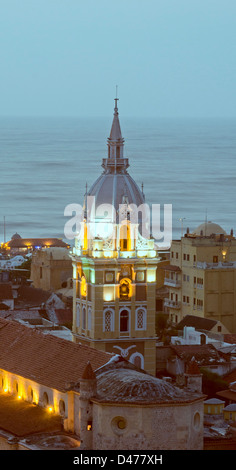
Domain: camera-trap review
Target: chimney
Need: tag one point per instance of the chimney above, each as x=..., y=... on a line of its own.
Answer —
x=193, y=377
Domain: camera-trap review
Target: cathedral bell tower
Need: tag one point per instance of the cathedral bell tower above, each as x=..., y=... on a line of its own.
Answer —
x=114, y=264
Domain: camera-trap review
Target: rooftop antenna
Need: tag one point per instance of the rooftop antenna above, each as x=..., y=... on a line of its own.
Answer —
x=86, y=195
x=205, y=222
x=4, y=229
x=182, y=228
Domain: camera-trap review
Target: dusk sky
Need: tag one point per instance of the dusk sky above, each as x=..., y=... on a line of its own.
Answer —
x=169, y=58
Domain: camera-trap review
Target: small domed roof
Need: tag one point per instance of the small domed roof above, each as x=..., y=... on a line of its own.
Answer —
x=16, y=236
x=208, y=229
x=130, y=384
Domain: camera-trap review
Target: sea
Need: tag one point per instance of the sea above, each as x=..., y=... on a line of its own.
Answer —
x=45, y=164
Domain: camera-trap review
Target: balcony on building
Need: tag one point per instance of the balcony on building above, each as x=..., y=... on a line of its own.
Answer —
x=176, y=304
x=172, y=276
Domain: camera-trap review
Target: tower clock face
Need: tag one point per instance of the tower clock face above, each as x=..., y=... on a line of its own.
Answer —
x=83, y=287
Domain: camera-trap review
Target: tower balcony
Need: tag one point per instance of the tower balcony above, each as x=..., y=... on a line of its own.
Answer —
x=115, y=163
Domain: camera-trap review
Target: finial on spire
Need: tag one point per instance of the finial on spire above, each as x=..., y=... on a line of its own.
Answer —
x=116, y=99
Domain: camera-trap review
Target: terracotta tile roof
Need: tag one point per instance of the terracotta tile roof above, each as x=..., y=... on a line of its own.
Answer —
x=196, y=322
x=228, y=394
x=45, y=359
x=63, y=315
x=21, y=418
x=203, y=353
x=230, y=377
x=171, y=267
x=230, y=338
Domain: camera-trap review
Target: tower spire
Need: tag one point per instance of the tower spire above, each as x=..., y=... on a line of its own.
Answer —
x=115, y=142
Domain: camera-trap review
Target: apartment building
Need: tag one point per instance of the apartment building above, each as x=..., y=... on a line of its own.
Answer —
x=201, y=277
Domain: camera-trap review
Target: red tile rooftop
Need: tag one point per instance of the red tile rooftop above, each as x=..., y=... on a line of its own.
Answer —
x=45, y=359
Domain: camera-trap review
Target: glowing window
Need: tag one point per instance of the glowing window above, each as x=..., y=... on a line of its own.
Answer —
x=83, y=287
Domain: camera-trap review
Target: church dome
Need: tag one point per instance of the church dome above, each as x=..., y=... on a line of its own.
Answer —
x=114, y=188
x=130, y=384
x=209, y=228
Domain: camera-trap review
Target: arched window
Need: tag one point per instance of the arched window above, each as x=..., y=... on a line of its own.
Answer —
x=45, y=399
x=84, y=318
x=15, y=387
x=1, y=382
x=125, y=237
x=89, y=318
x=124, y=321
x=108, y=320
x=83, y=287
x=30, y=394
x=62, y=407
x=125, y=288
x=140, y=319
x=78, y=314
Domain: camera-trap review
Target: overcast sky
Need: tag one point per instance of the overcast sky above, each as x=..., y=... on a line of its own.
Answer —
x=168, y=57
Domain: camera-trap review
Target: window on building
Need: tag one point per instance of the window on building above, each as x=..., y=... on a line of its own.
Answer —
x=125, y=238
x=177, y=255
x=89, y=318
x=124, y=321
x=140, y=319
x=30, y=394
x=45, y=399
x=215, y=259
x=78, y=313
x=108, y=320
x=84, y=318
x=89, y=425
x=15, y=387
x=125, y=288
x=62, y=407
x=40, y=272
